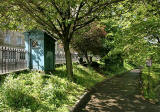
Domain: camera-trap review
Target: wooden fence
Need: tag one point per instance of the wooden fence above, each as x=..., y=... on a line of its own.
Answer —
x=12, y=59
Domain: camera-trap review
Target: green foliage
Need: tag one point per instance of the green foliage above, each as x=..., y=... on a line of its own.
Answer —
x=151, y=82
x=135, y=30
x=138, y=39
x=114, y=57
x=89, y=40
x=30, y=92
x=112, y=30
x=85, y=77
x=115, y=67
x=58, y=18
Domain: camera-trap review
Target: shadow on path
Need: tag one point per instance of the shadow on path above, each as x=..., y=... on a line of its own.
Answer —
x=120, y=94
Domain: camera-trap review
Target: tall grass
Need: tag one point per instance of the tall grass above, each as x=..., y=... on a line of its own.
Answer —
x=38, y=92
x=151, y=82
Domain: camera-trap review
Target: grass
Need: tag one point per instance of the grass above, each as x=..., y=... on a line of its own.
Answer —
x=151, y=82
x=38, y=92
x=116, y=69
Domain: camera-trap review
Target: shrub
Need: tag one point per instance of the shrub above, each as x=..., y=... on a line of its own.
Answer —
x=114, y=57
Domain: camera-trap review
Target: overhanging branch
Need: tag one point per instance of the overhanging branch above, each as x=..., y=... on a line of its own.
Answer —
x=95, y=8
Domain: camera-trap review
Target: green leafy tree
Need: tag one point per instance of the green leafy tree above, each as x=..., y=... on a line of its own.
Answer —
x=113, y=58
x=138, y=33
x=59, y=18
x=90, y=41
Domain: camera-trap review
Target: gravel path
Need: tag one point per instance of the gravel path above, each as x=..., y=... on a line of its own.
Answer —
x=120, y=95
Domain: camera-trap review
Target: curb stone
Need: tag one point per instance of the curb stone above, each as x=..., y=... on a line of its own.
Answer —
x=81, y=102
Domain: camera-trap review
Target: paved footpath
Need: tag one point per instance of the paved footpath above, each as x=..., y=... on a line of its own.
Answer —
x=120, y=95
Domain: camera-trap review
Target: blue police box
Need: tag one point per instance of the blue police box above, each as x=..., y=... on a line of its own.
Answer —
x=40, y=49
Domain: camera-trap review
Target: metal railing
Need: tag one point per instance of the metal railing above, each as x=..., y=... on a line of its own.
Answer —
x=60, y=58
x=12, y=59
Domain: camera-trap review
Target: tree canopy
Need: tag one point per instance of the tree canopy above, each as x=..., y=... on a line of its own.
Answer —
x=56, y=17
x=138, y=31
x=59, y=18
x=62, y=18
x=89, y=41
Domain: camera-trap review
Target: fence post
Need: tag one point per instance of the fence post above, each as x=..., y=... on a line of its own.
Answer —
x=18, y=60
x=1, y=60
x=5, y=59
x=8, y=59
x=23, y=58
x=12, y=59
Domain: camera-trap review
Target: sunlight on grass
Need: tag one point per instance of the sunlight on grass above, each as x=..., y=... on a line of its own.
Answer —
x=118, y=69
x=154, y=82
x=30, y=92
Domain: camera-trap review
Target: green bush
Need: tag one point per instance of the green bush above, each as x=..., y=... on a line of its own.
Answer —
x=113, y=61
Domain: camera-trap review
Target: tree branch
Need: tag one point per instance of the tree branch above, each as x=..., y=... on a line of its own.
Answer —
x=95, y=8
x=57, y=9
x=37, y=18
x=84, y=24
x=42, y=12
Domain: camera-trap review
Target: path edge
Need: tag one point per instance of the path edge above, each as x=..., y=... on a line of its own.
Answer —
x=85, y=98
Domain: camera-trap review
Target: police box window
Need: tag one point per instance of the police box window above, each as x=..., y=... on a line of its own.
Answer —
x=35, y=44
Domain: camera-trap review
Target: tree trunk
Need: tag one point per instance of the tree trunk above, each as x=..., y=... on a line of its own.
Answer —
x=68, y=60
